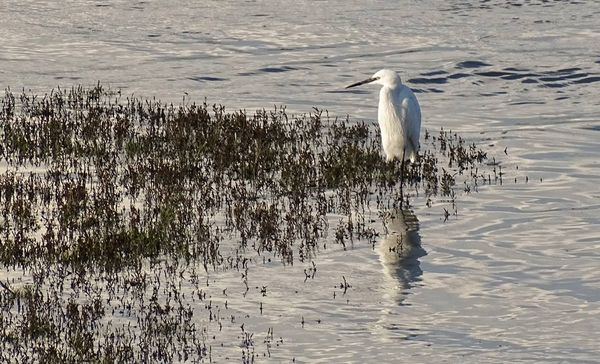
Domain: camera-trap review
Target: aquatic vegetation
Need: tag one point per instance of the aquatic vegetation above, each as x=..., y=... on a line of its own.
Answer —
x=110, y=204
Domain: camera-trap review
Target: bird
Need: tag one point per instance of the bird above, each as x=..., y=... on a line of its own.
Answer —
x=398, y=115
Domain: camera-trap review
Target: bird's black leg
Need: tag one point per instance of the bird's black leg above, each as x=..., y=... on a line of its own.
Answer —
x=402, y=179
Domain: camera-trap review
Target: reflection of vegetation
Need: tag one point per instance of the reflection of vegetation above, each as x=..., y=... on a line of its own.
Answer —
x=96, y=187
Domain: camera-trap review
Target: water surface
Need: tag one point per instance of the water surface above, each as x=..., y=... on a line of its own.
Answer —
x=513, y=277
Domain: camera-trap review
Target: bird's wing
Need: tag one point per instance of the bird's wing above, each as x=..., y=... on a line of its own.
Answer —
x=410, y=118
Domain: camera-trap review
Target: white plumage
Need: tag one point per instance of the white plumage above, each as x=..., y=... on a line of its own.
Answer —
x=399, y=116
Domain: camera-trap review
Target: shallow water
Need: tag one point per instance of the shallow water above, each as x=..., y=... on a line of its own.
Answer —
x=513, y=277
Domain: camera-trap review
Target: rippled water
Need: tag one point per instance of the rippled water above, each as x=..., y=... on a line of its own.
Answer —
x=513, y=277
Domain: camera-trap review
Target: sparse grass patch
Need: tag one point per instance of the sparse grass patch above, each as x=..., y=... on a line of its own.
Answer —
x=110, y=203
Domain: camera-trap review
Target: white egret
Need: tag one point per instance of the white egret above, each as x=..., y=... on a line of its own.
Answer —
x=399, y=116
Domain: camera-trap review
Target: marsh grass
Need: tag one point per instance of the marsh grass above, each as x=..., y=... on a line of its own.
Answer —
x=110, y=203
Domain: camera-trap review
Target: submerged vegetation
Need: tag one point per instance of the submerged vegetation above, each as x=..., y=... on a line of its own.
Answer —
x=108, y=204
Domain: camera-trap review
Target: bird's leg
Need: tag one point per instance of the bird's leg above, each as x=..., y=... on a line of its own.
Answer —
x=403, y=164
x=402, y=179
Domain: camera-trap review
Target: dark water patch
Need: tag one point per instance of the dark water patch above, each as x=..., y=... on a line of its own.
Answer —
x=493, y=73
x=553, y=85
x=436, y=80
x=562, y=78
x=587, y=80
x=458, y=75
x=562, y=71
x=434, y=73
x=467, y=9
x=277, y=69
x=351, y=90
x=427, y=90
x=153, y=35
x=591, y=127
x=73, y=78
x=472, y=64
x=552, y=79
x=487, y=94
x=518, y=76
x=260, y=15
x=528, y=103
x=514, y=69
x=207, y=78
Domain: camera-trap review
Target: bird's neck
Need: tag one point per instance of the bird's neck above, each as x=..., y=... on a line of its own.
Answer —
x=386, y=104
x=388, y=91
x=392, y=87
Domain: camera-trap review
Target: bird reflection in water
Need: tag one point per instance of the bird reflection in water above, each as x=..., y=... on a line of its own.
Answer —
x=399, y=252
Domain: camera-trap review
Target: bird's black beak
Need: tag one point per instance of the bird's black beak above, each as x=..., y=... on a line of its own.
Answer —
x=368, y=80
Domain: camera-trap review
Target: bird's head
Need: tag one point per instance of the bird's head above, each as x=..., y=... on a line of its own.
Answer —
x=383, y=77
